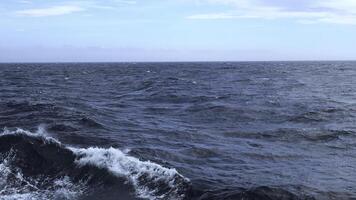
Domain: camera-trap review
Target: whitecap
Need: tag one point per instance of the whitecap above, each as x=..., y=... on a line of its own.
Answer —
x=123, y=165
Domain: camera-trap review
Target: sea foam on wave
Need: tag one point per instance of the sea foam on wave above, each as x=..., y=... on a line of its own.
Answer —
x=145, y=176
x=15, y=186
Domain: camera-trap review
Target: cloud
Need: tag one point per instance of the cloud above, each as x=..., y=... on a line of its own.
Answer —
x=107, y=5
x=50, y=11
x=72, y=7
x=126, y=2
x=25, y=2
x=314, y=11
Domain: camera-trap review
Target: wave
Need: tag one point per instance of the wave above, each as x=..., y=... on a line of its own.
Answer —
x=25, y=113
x=36, y=166
x=146, y=177
x=295, y=135
x=321, y=115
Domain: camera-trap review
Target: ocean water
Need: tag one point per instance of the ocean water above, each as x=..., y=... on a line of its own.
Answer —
x=225, y=130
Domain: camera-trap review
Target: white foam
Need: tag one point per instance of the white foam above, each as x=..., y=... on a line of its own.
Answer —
x=123, y=165
x=40, y=132
x=14, y=186
x=66, y=191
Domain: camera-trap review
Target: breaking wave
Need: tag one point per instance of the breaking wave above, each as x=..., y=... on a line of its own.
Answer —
x=36, y=166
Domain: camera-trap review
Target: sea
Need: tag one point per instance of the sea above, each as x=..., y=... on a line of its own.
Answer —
x=178, y=131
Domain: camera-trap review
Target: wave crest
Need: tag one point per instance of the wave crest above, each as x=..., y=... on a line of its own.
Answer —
x=145, y=176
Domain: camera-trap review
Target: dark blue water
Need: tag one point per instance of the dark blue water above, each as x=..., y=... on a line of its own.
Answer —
x=211, y=130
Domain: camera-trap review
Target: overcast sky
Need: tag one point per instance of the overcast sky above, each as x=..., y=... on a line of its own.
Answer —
x=176, y=30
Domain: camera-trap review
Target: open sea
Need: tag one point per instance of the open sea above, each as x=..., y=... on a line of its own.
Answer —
x=178, y=131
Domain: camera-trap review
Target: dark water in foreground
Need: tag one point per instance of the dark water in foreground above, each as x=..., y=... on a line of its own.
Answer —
x=274, y=130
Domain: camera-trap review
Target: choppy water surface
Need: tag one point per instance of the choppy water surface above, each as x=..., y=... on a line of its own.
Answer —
x=278, y=130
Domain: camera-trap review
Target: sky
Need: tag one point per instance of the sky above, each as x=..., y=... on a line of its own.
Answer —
x=176, y=30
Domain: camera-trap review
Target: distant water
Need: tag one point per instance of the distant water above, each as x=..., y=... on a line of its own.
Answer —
x=253, y=130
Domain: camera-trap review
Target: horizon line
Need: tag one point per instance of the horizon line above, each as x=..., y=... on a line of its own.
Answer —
x=186, y=61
